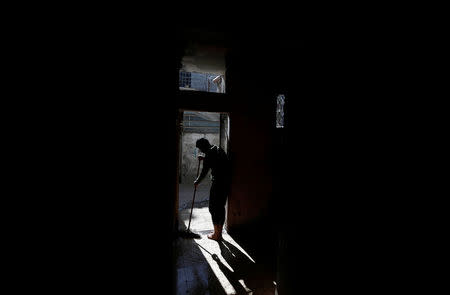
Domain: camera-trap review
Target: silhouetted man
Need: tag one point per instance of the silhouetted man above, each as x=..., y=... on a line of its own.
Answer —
x=216, y=160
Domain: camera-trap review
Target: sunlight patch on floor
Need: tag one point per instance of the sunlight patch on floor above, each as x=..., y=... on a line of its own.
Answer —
x=200, y=221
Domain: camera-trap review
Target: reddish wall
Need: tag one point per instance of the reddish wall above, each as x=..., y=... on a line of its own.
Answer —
x=252, y=176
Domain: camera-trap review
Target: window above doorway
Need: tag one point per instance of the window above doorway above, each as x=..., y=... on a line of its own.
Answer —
x=202, y=69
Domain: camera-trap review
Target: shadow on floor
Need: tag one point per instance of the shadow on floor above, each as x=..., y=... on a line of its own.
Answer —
x=256, y=276
x=260, y=241
x=232, y=277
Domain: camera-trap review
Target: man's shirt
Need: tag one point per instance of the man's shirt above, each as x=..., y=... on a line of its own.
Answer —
x=217, y=160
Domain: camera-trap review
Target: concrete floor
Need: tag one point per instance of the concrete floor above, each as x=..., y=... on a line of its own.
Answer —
x=186, y=192
x=204, y=266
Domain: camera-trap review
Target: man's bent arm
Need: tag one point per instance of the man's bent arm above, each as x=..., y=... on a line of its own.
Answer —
x=202, y=175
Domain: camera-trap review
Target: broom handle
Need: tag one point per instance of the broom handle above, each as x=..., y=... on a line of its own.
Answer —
x=193, y=198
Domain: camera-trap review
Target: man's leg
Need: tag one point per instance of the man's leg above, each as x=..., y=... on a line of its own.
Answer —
x=217, y=202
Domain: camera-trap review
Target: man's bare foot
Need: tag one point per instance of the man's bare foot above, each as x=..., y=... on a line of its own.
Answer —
x=217, y=233
x=215, y=236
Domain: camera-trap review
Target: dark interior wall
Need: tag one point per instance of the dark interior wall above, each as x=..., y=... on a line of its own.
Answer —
x=105, y=158
x=343, y=233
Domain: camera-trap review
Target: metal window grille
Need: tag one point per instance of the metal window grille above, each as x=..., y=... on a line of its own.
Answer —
x=185, y=79
x=201, y=82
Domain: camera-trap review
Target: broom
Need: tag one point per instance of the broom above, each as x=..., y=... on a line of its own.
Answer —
x=188, y=234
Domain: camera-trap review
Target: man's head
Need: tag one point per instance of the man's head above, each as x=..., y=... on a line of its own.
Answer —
x=203, y=145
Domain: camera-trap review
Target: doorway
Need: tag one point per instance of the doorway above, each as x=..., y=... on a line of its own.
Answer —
x=193, y=125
